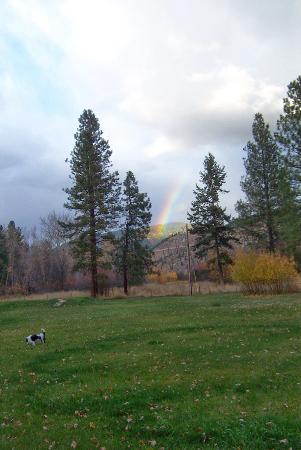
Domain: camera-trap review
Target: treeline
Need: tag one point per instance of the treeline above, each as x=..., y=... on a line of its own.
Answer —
x=269, y=215
x=106, y=228
x=104, y=213
x=34, y=261
x=103, y=236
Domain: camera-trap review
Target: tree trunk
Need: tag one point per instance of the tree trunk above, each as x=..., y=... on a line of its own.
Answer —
x=93, y=255
x=220, y=270
x=94, y=283
x=125, y=279
x=271, y=239
x=219, y=263
x=189, y=262
x=125, y=266
x=269, y=219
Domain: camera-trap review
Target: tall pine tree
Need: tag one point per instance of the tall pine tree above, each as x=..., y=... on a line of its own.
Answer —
x=3, y=256
x=289, y=215
x=209, y=221
x=14, y=246
x=133, y=257
x=261, y=186
x=288, y=136
x=93, y=196
x=289, y=130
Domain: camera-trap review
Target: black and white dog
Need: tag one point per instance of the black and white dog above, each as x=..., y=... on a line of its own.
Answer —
x=39, y=338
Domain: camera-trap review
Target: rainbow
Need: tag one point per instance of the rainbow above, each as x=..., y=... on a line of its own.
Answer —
x=169, y=203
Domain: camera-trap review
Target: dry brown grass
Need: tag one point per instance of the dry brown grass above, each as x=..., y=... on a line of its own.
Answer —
x=47, y=295
x=173, y=288
x=178, y=288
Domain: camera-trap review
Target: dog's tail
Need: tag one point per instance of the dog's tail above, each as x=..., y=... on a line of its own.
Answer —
x=43, y=331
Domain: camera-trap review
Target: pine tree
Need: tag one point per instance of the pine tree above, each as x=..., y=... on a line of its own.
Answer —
x=261, y=186
x=3, y=256
x=93, y=196
x=289, y=129
x=289, y=215
x=14, y=246
x=288, y=136
x=209, y=221
x=133, y=257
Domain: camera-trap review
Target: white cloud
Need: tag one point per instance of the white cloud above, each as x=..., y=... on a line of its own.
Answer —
x=168, y=79
x=160, y=146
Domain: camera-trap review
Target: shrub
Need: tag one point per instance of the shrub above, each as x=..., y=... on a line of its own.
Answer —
x=201, y=271
x=264, y=273
x=162, y=277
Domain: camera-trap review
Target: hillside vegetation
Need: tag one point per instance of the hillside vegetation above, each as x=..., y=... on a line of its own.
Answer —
x=160, y=232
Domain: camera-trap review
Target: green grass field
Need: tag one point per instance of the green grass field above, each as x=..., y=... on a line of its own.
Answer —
x=216, y=371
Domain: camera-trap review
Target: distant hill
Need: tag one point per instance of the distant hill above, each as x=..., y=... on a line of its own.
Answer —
x=160, y=232
x=170, y=255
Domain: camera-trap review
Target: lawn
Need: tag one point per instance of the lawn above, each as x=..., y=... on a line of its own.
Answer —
x=216, y=371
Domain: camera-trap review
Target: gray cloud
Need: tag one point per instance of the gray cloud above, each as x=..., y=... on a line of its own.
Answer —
x=169, y=80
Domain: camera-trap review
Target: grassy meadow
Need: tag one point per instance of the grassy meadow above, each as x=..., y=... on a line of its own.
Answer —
x=214, y=371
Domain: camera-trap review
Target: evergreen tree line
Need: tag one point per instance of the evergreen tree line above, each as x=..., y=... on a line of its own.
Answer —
x=104, y=213
x=107, y=227
x=269, y=215
x=108, y=221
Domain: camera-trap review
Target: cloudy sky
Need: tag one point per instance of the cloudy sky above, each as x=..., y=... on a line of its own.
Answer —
x=170, y=80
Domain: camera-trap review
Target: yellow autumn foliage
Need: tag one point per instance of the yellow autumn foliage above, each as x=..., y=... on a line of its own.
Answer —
x=264, y=273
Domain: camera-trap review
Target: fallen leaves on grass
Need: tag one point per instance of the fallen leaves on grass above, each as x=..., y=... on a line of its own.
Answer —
x=71, y=425
x=97, y=443
x=81, y=413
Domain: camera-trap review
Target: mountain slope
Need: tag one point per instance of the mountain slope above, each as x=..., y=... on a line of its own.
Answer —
x=159, y=232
